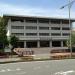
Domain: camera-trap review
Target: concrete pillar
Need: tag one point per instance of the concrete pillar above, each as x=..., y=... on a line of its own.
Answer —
x=24, y=44
x=37, y=29
x=61, y=43
x=38, y=44
x=51, y=44
x=61, y=27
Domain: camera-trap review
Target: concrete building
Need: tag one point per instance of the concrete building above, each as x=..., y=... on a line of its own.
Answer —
x=39, y=32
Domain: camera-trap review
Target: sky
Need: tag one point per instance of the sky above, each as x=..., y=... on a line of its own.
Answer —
x=48, y=8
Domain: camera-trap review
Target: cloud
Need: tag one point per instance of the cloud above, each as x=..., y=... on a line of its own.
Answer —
x=34, y=11
x=26, y=10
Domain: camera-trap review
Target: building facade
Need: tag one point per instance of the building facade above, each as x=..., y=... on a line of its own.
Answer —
x=36, y=32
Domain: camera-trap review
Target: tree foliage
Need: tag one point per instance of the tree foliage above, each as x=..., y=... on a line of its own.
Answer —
x=13, y=41
x=3, y=37
x=72, y=40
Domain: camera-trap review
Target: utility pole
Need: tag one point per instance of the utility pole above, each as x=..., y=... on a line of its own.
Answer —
x=69, y=10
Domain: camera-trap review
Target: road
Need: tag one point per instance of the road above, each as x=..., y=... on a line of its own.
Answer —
x=52, y=67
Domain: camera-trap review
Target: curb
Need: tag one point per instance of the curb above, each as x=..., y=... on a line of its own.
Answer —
x=6, y=62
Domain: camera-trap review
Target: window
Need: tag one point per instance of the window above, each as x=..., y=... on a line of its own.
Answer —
x=55, y=28
x=55, y=21
x=65, y=22
x=31, y=27
x=56, y=43
x=66, y=34
x=1, y=45
x=31, y=34
x=55, y=34
x=17, y=19
x=44, y=34
x=18, y=34
x=43, y=21
x=44, y=43
x=65, y=28
x=17, y=27
x=31, y=20
x=44, y=28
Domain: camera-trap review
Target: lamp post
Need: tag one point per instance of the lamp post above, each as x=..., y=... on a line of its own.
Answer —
x=69, y=10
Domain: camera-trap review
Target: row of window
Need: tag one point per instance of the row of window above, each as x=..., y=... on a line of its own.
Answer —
x=17, y=27
x=34, y=20
x=40, y=28
x=41, y=34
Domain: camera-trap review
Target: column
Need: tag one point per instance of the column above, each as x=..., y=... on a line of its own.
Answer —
x=24, y=24
x=51, y=44
x=61, y=27
x=24, y=44
x=61, y=43
x=37, y=28
x=38, y=44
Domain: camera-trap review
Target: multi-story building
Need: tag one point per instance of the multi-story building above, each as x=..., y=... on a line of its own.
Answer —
x=37, y=32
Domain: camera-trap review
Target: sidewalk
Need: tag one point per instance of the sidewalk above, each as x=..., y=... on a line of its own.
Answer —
x=18, y=59
x=37, y=57
x=3, y=60
x=42, y=56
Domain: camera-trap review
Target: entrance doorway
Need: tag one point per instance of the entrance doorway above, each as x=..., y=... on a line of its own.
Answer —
x=31, y=44
x=20, y=44
x=44, y=43
x=56, y=43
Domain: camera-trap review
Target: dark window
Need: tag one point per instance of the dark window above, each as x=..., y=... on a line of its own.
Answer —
x=55, y=21
x=44, y=43
x=65, y=28
x=31, y=27
x=56, y=43
x=43, y=21
x=31, y=44
x=17, y=27
x=1, y=45
x=31, y=20
x=44, y=34
x=66, y=34
x=55, y=28
x=65, y=22
x=31, y=34
x=55, y=34
x=16, y=19
x=18, y=34
x=44, y=28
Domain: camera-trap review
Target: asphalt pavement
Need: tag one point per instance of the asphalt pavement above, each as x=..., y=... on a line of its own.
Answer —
x=52, y=67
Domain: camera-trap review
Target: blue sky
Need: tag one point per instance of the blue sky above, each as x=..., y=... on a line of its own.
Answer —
x=50, y=8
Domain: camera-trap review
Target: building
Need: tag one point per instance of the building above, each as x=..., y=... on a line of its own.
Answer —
x=36, y=32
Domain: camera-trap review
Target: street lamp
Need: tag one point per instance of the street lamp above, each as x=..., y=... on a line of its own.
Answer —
x=69, y=10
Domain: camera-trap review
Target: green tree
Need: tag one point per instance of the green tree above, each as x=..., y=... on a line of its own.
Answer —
x=3, y=37
x=14, y=41
x=72, y=40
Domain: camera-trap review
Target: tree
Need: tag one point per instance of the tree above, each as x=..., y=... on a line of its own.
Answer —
x=13, y=41
x=3, y=37
x=72, y=40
